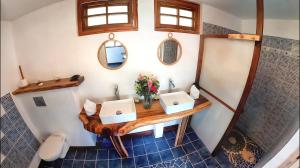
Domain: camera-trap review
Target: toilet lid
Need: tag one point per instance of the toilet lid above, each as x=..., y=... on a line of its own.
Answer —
x=52, y=147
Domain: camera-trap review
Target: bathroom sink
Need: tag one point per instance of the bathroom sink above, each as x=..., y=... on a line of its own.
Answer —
x=117, y=111
x=176, y=102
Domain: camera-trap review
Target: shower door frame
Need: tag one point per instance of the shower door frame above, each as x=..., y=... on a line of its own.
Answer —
x=251, y=76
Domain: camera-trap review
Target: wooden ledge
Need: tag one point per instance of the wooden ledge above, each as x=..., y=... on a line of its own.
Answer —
x=252, y=37
x=145, y=117
x=49, y=85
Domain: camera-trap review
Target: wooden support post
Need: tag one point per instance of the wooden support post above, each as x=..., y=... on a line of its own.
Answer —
x=181, y=130
x=118, y=144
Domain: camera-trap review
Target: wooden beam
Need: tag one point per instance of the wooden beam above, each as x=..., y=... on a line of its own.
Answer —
x=218, y=99
x=118, y=144
x=252, y=37
x=181, y=130
x=251, y=76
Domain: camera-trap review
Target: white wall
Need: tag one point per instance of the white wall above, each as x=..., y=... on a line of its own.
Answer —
x=48, y=45
x=218, y=17
x=272, y=27
x=9, y=63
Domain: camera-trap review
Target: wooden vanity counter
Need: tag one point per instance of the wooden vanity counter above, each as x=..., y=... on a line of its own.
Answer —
x=145, y=117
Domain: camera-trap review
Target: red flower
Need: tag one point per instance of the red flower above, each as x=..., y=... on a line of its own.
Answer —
x=153, y=89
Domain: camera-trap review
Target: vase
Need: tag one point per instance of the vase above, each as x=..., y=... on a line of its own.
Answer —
x=147, y=101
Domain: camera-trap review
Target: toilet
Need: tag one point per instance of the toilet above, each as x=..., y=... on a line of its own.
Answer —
x=54, y=147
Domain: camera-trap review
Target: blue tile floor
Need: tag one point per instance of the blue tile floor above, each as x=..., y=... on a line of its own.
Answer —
x=145, y=152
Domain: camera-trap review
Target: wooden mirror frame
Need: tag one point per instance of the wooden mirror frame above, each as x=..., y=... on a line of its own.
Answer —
x=111, y=38
x=170, y=37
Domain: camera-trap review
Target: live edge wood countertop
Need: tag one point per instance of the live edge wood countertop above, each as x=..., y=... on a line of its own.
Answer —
x=151, y=116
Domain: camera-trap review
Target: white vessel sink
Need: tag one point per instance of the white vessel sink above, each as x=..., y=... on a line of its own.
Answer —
x=176, y=102
x=117, y=111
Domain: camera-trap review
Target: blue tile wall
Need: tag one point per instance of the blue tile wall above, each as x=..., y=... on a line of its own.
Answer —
x=209, y=28
x=273, y=104
x=18, y=144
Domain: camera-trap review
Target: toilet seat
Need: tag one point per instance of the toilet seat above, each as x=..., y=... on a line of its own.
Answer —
x=52, y=147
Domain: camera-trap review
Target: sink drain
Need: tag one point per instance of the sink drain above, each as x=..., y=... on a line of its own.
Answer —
x=175, y=103
x=118, y=112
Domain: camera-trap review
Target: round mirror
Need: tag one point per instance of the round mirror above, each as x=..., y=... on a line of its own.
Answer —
x=169, y=51
x=112, y=54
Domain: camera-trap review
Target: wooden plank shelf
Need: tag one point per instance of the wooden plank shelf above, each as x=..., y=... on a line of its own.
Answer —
x=252, y=37
x=49, y=85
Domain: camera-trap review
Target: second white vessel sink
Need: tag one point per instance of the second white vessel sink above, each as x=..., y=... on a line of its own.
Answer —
x=176, y=102
x=117, y=111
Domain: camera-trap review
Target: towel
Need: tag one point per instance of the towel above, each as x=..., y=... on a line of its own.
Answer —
x=194, y=92
x=89, y=107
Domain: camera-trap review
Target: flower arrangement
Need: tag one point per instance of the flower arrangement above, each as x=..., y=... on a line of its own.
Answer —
x=147, y=86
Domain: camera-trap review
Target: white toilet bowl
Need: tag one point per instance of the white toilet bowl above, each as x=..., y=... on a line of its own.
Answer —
x=54, y=147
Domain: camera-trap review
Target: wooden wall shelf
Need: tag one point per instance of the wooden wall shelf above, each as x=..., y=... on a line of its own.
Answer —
x=253, y=37
x=49, y=85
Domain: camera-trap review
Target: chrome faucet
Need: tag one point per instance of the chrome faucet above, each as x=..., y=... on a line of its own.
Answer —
x=171, y=85
x=117, y=92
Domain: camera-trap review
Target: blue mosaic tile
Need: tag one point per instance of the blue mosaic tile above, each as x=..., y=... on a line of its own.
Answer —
x=7, y=164
x=67, y=164
x=29, y=153
x=78, y=164
x=139, y=150
x=160, y=139
x=21, y=145
x=113, y=154
x=71, y=153
x=129, y=151
x=185, y=139
x=169, y=135
x=178, y=152
x=194, y=157
x=13, y=155
x=210, y=163
x=115, y=163
x=102, y=164
x=5, y=123
x=91, y=154
x=171, y=142
x=151, y=148
x=6, y=145
x=192, y=136
x=189, y=129
x=141, y=161
x=14, y=114
x=127, y=142
x=28, y=135
x=21, y=127
x=89, y=163
x=137, y=141
x=12, y=134
x=7, y=102
x=102, y=154
x=162, y=145
x=198, y=144
x=128, y=163
x=35, y=144
x=204, y=153
x=153, y=158
x=148, y=139
x=166, y=155
x=200, y=165
x=188, y=148
x=80, y=154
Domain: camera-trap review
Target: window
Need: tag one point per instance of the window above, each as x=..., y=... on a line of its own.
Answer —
x=98, y=16
x=177, y=16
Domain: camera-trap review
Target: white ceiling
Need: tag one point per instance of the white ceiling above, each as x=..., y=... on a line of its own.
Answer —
x=245, y=9
x=13, y=9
